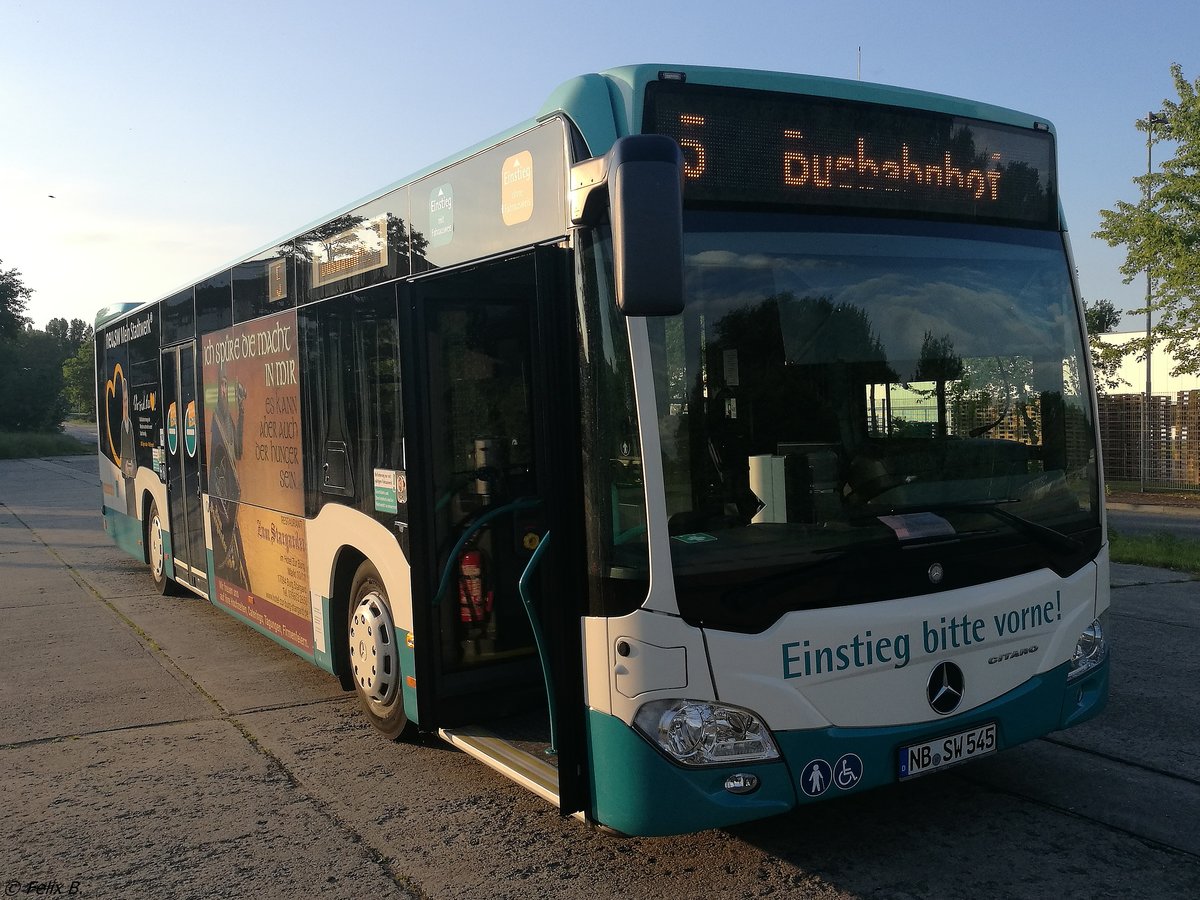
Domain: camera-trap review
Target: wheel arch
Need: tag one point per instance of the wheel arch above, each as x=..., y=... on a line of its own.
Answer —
x=340, y=539
x=346, y=563
x=144, y=511
x=148, y=494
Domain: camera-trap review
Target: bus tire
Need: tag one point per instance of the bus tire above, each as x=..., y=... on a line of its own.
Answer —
x=373, y=651
x=156, y=553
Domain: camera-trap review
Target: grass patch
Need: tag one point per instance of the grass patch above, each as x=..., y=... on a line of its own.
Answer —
x=1163, y=550
x=28, y=444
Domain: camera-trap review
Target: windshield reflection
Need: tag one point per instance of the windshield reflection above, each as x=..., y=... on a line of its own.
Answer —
x=821, y=387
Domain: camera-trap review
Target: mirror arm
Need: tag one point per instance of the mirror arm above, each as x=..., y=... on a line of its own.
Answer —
x=589, y=190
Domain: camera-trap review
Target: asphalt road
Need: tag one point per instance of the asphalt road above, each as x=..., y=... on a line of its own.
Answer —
x=154, y=747
x=1129, y=519
x=85, y=433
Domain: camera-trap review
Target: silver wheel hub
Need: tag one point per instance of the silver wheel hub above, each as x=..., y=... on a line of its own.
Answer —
x=157, y=556
x=374, y=657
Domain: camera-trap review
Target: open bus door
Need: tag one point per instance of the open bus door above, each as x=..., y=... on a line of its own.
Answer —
x=498, y=552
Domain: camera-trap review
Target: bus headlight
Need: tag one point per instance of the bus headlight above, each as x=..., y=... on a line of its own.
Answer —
x=704, y=733
x=1091, y=649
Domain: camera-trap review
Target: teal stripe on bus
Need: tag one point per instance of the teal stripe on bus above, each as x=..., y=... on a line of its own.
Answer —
x=1043, y=704
x=324, y=658
x=637, y=791
x=408, y=669
x=169, y=555
x=126, y=532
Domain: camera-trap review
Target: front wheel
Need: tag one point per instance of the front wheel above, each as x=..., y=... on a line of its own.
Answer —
x=374, y=654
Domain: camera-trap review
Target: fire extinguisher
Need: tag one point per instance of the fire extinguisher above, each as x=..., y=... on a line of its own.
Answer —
x=474, y=598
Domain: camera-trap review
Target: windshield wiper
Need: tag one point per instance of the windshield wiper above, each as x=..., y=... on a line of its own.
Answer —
x=1044, y=533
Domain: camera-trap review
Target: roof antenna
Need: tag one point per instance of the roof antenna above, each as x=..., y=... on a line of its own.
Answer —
x=860, y=63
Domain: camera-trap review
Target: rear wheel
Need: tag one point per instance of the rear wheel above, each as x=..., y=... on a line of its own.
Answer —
x=374, y=654
x=156, y=553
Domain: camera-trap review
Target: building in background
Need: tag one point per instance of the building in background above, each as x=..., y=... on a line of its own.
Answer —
x=1173, y=444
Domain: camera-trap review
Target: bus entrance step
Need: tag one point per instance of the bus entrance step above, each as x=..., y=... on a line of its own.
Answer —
x=526, y=769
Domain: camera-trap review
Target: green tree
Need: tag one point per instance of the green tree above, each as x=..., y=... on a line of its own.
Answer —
x=13, y=297
x=78, y=333
x=1161, y=233
x=59, y=330
x=79, y=380
x=70, y=335
x=76, y=357
x=939, y=363
x=32, y=398
x=1103, y=317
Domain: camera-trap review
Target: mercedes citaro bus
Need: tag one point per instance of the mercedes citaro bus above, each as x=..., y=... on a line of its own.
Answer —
x=712, y=443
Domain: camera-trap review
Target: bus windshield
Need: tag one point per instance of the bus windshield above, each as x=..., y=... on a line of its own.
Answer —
x=857, y=409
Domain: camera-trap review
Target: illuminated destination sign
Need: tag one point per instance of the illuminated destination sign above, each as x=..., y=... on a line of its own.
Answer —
x=751, y=147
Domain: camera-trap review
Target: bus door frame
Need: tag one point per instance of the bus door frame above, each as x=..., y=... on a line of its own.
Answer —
x=185, y=504
x=555, y=368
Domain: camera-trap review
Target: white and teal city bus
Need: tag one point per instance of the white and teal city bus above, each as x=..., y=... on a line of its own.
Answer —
x=712, y=443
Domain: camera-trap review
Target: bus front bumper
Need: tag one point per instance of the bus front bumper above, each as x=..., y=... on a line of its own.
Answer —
x=638, y=791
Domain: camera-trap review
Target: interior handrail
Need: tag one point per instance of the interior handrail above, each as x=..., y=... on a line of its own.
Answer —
x=469, y=532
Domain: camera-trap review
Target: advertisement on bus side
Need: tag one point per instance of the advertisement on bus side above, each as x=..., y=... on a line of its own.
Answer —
x=255, y=475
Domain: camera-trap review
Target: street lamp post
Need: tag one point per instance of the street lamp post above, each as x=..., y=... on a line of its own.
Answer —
x=1152, y=119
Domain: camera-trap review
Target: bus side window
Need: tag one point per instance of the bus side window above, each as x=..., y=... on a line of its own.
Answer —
x=379, y=433
x=334, y=472
x=354, y=397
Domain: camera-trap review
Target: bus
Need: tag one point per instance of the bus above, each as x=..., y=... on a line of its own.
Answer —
x=712, y=443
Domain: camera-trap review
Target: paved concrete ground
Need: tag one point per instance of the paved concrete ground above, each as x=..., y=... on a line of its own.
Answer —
x=153, y=746
x=121, y=773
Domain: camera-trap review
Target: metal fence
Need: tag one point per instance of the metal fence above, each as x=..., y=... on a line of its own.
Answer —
x=1172, y=445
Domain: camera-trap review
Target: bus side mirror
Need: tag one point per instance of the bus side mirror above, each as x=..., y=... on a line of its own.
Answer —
x=643, y=175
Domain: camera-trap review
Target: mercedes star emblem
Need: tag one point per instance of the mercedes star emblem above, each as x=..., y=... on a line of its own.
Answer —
x=945, y=688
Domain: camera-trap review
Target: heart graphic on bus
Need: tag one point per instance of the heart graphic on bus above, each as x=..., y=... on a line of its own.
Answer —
x=114, y=390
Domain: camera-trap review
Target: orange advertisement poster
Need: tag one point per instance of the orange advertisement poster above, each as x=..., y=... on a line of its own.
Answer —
x=254, y=456
x=271, y=587
x=252, y=414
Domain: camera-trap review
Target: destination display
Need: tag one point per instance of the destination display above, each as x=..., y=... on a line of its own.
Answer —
x=750, y=147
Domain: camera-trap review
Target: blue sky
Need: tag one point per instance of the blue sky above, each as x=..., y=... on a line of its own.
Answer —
x=176, y=137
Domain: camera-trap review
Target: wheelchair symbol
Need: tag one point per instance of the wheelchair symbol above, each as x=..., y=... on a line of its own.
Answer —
x=847, y=771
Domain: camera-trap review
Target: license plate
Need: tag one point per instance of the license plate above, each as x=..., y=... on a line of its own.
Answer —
x=920, y=759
